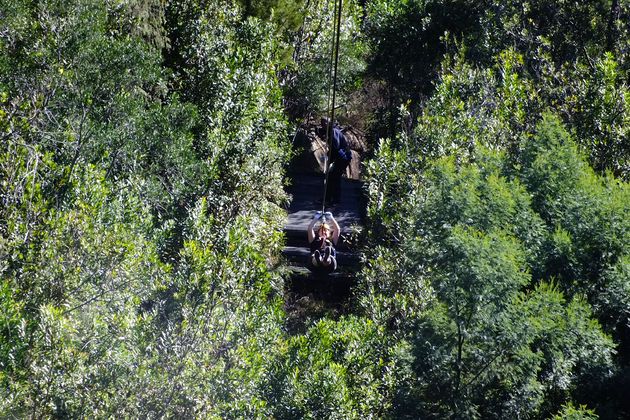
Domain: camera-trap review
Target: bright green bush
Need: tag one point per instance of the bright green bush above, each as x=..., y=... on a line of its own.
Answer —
x=140, y=213
x=584, y=214
x=338, y=369
x=460, y=269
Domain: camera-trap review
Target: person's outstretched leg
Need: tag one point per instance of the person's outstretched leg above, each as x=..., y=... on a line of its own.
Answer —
x=334, y=183
x=316, y=258
x=329, y=259
x=341, y=169
x=333, y=192
x=333, y=187
x=326, y=257
x=333, y=263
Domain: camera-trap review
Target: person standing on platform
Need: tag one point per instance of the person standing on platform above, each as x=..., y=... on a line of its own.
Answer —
x=340, y=157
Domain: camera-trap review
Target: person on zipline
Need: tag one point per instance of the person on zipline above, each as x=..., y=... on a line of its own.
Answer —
x=323, y=241
x=340, y=157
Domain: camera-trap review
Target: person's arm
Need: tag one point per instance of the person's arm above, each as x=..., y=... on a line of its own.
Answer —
x=336, y=230
x=309, y=229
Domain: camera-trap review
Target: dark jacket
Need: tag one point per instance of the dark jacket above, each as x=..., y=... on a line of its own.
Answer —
x=340, y=149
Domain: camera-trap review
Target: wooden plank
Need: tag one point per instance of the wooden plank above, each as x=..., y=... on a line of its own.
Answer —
x=307, y=193
x=299, y=238
x=299, y=221
x=301, y=272
x=302, y=254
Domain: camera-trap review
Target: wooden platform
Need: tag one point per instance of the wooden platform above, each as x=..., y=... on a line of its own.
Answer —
x=311, y=295
x=307, y=192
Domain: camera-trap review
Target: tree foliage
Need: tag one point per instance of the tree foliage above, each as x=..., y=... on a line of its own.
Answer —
x=474, y=279
x=571, y=58
x=137, y=205
x=143, y=145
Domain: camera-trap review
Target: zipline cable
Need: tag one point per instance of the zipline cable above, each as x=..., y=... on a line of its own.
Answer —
x=331, y=109
x=331, y=66
x=331, y=63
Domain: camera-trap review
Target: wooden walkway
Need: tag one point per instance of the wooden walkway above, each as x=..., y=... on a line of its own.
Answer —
x=311, y=294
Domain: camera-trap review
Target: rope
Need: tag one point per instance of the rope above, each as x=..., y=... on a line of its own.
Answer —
x=331, y=103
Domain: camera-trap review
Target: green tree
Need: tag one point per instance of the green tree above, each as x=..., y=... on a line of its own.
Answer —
x=140, y=217
x=454, y=278
x=338, y=369
x=588, y=233
x=306, y=79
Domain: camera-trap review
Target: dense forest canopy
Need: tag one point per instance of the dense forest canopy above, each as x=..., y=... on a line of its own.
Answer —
x=145, y=148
